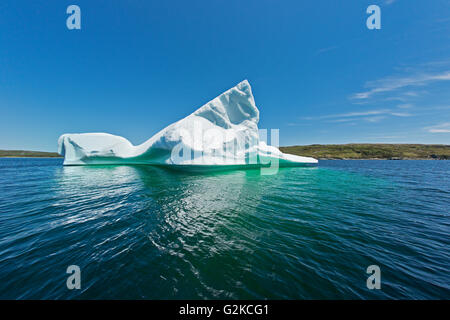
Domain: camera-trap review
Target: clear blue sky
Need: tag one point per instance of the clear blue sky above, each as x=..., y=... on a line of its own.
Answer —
x=317, y=73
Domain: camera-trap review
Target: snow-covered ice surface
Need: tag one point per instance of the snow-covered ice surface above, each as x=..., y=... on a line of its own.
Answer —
x=221, y=134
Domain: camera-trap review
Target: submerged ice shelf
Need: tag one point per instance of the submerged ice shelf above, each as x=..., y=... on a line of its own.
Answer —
x=223, y=132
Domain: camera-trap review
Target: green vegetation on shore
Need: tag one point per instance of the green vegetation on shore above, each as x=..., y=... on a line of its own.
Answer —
x=371, y=151
x=27, y=154
x=322, y=151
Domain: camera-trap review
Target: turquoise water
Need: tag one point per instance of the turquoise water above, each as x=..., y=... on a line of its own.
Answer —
x=145, y=232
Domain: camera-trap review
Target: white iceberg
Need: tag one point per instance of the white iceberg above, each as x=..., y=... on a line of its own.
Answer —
x=222, y=133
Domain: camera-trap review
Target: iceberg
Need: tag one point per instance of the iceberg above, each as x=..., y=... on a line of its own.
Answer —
x=221, y=134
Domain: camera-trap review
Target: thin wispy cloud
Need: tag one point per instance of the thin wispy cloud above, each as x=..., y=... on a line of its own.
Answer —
x=323, y=50
x=401, y=114
x=369, y=115
x=411, y=94
x=439, y=128
x=393, y=83
x=342, y=120
x=405, y=106
x=374, y=119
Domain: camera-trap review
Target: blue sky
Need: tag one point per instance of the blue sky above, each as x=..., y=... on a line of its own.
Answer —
x=318, y=74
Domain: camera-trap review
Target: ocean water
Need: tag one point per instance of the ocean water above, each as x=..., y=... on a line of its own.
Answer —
x=140, y=232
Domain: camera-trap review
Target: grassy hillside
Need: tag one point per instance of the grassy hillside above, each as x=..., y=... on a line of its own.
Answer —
x=31, y=154
x=371, y=151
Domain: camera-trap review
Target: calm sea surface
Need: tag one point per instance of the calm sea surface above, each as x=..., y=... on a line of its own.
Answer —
x=145, y=232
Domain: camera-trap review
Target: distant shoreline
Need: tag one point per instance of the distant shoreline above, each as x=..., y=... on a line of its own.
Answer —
x=31, y=157
x=352, y=151
x=371, y=151
x=27, y=154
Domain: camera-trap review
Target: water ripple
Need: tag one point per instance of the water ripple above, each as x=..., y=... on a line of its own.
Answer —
x=150, y=233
